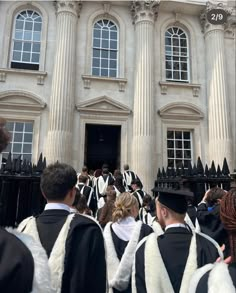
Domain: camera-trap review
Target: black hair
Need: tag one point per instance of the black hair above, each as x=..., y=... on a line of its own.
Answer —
x=56, y=180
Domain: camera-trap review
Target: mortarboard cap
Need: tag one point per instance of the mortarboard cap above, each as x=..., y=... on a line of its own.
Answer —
x=176, y=200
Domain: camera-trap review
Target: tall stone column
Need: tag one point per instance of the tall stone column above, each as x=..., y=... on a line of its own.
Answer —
x=59, y=139
x=144, y=15
x=220, y=141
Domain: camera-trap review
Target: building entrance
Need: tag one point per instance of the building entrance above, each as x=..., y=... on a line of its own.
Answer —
x=102, y=145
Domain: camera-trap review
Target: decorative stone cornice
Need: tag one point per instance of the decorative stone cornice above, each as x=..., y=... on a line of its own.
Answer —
x=210, y=6
x=89, y=78
x=144, y=10
x=73, y=7
x=40, y=75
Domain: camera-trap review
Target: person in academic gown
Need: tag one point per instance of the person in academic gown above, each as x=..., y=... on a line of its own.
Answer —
x=102, y=182
x=74, y=243
x=20, y=268
x=88, y=192
x=208, y=215
x=221, y=276
x=165, y=263
x=15, y=261
x=128, y=177
x=121, y=238
x=138, y=192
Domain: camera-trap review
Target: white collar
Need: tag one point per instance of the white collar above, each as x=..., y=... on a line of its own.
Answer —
x=57, y=206
x=175, y=226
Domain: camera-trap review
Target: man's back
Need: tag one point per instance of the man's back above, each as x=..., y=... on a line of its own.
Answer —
x=174, y=247
x=84, y=250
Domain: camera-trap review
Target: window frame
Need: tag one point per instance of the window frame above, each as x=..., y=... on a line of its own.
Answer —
x=11, y=13
x=13, y=132
x=101, y=49
x=179, y=56
x=182, y=149
x=30, y=64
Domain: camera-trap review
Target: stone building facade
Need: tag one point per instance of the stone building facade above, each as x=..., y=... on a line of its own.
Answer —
x=149, y=83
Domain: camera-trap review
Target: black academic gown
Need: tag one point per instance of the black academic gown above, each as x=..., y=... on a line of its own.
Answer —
x=16, y=265
x=141, y=194
x=120, y=246
x=86, y=191
x=174, y=248
x=211, y=225
x=85, y=254
x=202, y=286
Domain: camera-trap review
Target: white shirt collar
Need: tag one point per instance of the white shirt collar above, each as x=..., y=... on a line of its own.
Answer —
x=175, y=226
x=57, y=206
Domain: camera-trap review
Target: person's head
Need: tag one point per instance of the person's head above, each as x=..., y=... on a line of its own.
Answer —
x=171, y=207
x=97, y=173
x=117, y=173
x=58, y=183
x=85, y=169
x=105, y=171
x=228, y=218
x=126, y=205
x=126, y=167
x=83, y=179
x=136, y=184
x=146, y=200
x=214, y=195
x=4, y=135
x=111, y=195
x=77, y=198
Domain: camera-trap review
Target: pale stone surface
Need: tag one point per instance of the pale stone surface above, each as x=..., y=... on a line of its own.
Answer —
x=220, y=137
x=144, y=16
x=180, y=107
x=58, y=144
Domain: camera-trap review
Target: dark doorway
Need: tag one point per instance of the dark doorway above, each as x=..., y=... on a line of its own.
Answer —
x=102, y=145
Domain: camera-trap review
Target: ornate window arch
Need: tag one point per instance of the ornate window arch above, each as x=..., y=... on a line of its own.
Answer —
x=105, y=48
x=15, y=10
x=177, y=65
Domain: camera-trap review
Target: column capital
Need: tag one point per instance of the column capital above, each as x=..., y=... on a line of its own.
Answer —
x=206, y=25
x=144, y=10
x=73, y=7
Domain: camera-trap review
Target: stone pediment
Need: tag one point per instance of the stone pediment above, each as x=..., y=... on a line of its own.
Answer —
x=103, y=104
x=181, y=111
x=21, y=100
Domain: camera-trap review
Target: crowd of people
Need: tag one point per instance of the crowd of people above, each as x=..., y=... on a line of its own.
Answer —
x=102, y=232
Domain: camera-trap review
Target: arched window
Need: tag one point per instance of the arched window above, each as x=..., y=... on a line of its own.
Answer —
x=105, y=49
x=26, y=40
x=176, y=55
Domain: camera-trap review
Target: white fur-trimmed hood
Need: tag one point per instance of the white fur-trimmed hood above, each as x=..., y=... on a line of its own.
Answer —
x=41, y=281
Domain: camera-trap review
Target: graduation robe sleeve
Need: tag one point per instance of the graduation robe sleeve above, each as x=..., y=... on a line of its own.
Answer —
x=16, y=265
x=85, y=260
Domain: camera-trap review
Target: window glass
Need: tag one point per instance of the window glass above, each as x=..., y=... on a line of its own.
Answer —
x=27, y=28
x=176, y=55
x=105, y=44
x=179, y=149
x=21, y=139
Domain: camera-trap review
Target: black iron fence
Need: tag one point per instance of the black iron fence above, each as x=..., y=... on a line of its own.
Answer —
x=195, y=178
x=20, y=194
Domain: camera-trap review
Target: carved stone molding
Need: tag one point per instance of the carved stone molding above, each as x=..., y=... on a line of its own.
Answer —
x=73, y=7
x=144, y=10
x=103, y=105
x=165, y=85
x=89, y=78
x=40, y=75
x=203, y=16
x=181, y=110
